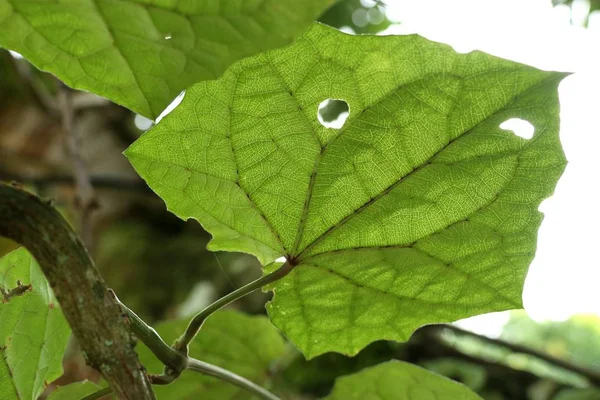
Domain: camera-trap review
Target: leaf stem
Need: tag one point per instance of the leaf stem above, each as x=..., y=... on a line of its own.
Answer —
x=175, y=362
x=228, y=376
x=195, y=324
x=165, y=353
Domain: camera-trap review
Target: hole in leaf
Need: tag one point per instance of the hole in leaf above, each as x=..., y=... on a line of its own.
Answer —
x=281, y=259
x=168, y=36
x=142, y=123
x=171, y=106
x=15, y=55
x=519, y=126
x=333, y=113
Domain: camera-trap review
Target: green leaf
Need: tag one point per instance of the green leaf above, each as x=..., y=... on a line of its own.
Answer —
x=33, y=331
x=246, y=345
x=578, y=394
x=420, y=209
x=143, y=53
x=396, y=380
x=74, y=391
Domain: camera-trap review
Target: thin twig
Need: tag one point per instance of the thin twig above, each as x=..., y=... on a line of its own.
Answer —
x=591, y=375
x=196, y=323
x=228, y=376
x=85, y=197
x=98, y=182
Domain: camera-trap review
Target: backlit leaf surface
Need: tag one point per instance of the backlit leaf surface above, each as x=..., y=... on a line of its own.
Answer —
x=33, y=331
x=420, y=209
x=143, y=53
x=397, y=380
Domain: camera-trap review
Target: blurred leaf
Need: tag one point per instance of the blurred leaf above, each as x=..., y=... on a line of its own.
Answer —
x=574, y=340
x=33, y=331
x=471, y=375
x=143, y=53
x=351, y=13
x=246, y=345
x=74, y=391
x=594, y=5
x=421, y=206
x=578, y=394
x=396, y=380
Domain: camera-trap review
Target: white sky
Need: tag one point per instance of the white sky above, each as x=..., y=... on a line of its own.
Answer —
x=564, y=278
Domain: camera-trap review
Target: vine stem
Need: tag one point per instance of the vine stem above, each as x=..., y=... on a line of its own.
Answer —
x=195, y=324
x=144, y=332
x=175, y=362
x=228, y=376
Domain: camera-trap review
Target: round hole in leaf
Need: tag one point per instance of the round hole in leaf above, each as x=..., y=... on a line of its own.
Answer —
x=142, y=123
x=520, y=127
x=333, y=113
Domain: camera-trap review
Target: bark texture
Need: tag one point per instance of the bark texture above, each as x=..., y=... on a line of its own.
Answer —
x=93, y=314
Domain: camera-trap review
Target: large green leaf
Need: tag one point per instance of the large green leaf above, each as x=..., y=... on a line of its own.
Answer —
x=396, y=380
x=246, y=345
x=33, y=331
x=420, y=209
x=143, y=53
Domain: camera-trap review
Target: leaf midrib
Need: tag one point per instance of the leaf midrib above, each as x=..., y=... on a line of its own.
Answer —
x=426, y=163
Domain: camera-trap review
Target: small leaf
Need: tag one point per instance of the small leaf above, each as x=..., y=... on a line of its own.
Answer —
x=33, y=332
x=396, y=380
x=421, y=209
x=74, y=391
x=143, y=53
x=246, y=345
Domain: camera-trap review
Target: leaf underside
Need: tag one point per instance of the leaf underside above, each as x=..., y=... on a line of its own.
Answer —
x=143, y=53
x=420, y=209
x=33, y=331
x=75, y=391
x=245, y=345
x=396, y=380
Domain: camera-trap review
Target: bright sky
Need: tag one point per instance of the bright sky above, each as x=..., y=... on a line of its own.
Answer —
x=564, y=278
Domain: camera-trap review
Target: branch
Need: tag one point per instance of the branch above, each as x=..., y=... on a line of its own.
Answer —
x=190, y=333
x=85, y=195
x=93, y=315
x=99, y=182
x=592, y=376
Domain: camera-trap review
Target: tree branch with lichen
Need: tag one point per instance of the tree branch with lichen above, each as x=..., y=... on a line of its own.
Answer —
x=94, y=315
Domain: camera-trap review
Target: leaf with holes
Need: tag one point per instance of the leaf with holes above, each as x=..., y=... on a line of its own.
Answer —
x=33, y=331
x=143, y=53
x=397, y=380
x=420, y=209
x=246, y=345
